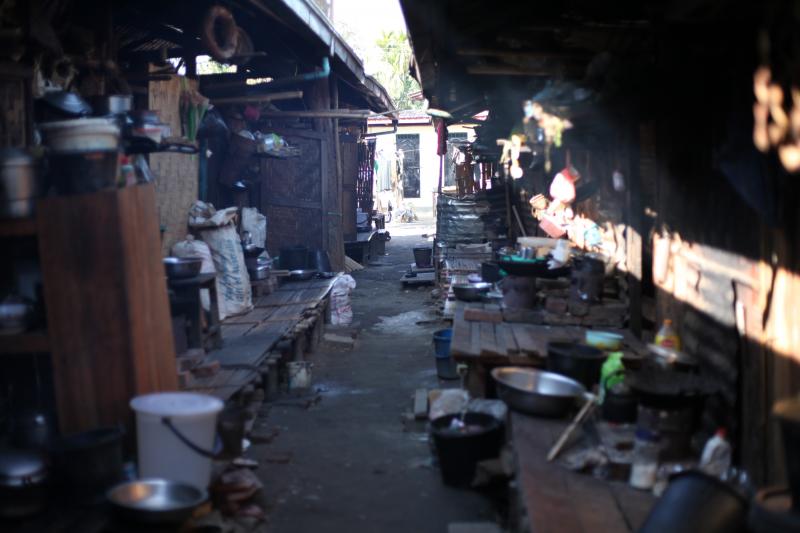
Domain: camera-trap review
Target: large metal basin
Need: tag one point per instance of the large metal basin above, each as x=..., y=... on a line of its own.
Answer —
x=536, y=392
x=156, y=500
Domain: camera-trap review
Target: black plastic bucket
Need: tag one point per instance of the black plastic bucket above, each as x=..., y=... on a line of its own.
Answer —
x=697, y=503
x=423, y=256
x=89, y=463
x=460, y=450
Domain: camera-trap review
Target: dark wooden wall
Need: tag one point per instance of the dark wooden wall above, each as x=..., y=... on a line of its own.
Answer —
x=725, y=218
x=291, y=192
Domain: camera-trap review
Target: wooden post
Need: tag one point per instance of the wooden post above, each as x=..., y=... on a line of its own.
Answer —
x=633, y=244
x=335, y=215
x=319, y=98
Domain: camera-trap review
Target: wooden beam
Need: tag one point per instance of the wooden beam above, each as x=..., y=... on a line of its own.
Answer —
x=522, y=54
x=502, y=70
x=320, y=114
x=286, y=95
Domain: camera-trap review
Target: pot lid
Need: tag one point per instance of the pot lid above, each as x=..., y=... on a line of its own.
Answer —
x=19, y=468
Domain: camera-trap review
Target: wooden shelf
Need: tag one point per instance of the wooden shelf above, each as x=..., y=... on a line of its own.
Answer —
x=18, y=227
x=24, y=343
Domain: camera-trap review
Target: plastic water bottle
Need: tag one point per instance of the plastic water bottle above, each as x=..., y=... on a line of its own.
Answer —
x=716, y=457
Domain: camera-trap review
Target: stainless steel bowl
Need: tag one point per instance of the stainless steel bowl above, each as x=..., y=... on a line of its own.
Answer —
x=302, y=275
x=471, y=292
x=536, y=392
x=156, y=500
x=183, y=267
x=15, y=314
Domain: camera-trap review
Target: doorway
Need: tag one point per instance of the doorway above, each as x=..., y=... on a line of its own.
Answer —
x=408, y=159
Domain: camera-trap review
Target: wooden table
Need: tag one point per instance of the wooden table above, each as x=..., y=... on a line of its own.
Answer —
x=496, y=340
x=250, y=337
x=552, y=498
x=186, y=300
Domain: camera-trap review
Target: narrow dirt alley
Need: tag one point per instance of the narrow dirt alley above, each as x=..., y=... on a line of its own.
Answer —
x=352, y=462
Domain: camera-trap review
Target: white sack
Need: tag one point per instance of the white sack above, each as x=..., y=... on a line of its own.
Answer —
x=256, y=224
x=191, y=247
x=341, y=310
x=217, y=229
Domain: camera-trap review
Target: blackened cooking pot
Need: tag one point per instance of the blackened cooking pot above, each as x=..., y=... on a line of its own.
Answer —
x=577, y=361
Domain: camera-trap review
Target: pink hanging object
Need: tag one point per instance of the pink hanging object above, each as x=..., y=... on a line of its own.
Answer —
x=562, y=189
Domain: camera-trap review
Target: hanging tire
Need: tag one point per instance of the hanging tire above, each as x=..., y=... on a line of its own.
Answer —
x=220, y=34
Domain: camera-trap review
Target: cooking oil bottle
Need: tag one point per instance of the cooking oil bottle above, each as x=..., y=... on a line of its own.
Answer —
x=667, y=336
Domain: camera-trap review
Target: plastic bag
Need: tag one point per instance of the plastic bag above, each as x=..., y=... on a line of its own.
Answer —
x=450, y=402
x=495, y=408
x=341, y=310
x=256, y=224
x=191, y=247
x=218, y=231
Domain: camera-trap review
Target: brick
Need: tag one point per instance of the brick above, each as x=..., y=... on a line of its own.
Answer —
x=556, y=305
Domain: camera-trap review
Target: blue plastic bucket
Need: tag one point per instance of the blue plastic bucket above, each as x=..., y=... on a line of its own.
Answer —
x=441, y=342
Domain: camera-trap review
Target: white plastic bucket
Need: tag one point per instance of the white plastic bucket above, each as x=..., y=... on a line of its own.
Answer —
x=161, y=452
x=299, y=374
x=81, y=135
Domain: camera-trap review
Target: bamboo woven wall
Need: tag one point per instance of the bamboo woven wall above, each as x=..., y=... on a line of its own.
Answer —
x=176, y=174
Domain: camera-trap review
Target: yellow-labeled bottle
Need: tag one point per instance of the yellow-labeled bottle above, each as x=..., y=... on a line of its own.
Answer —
x=667, y=336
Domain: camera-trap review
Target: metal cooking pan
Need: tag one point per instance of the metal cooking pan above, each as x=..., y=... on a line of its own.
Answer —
x=537, y=392
x=471, y=292
x=302, y=275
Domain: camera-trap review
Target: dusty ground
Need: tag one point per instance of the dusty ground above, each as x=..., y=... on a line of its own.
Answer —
x=354, y=464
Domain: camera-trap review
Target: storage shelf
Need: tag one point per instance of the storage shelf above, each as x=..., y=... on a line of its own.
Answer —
x=17, y=227
x=24, y=343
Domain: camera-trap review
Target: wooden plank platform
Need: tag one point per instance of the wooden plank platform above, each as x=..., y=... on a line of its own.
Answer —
x=558, y=500
x=513, y=342
x=249, y=338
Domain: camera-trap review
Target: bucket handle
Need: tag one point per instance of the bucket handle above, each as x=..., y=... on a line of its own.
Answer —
x=213, y=454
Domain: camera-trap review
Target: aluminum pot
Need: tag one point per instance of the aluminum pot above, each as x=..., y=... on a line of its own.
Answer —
x=182, y=267
x=23, y=483
x=471, y=292
x=536, y=392
x=19, y=187
x=112, y=104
